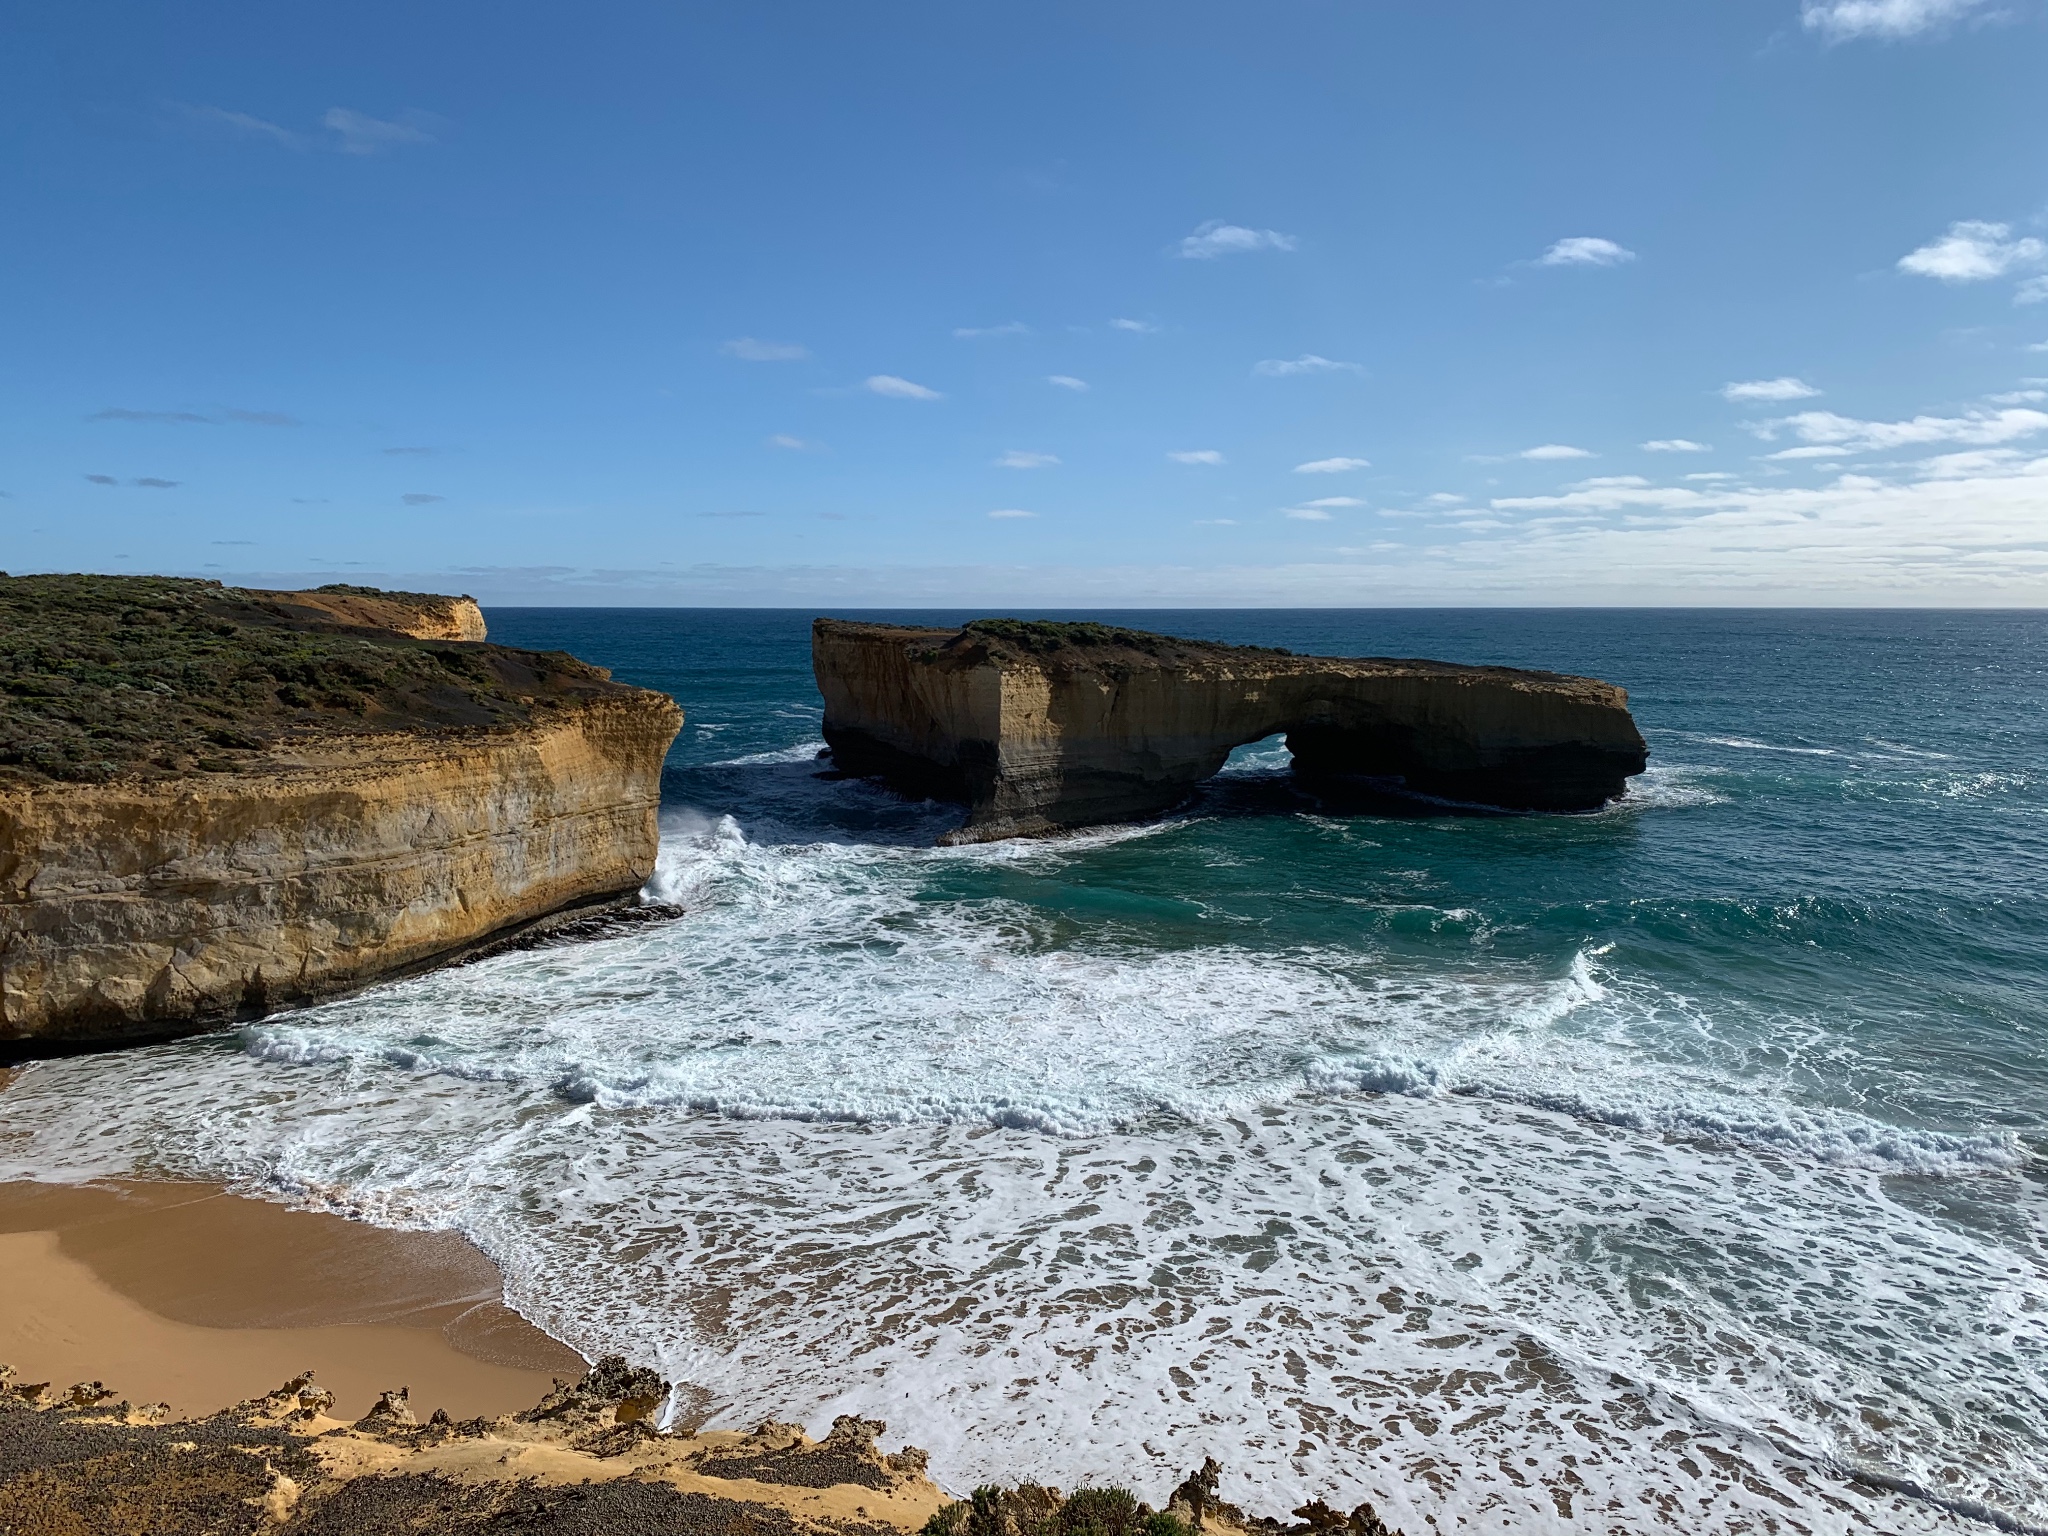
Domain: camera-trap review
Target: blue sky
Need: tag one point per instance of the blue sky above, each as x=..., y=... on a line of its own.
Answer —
x=1060, y=304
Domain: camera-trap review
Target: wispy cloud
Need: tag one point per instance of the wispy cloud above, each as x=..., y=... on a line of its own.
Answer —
x=194, y=418
x=1585, y=251
x=1018, y=458
x=420, y=498
x=1336, y=501
x=975, y=333
x=243, y=123
x=1842, y=20
x=752, y=349
x=1308, y=362
x=361, y=134
x=1846, y=434
x=1142, y=327
x=1196, y=456
x=1676, y=445
x=793, y=443
x=119, y=413
x=1215, y=522
x=1769, y=390
x=153, y=483
x=2019, y=397
x=102, y=479
x=415, y=452
x=888, y=385
x=1973, y=251
x=1068, y=381
x=2033, y=291
x=1544, y=451
x=1217, y=238
x=1331, y=466
x=1003, y=513
x=1308, y=514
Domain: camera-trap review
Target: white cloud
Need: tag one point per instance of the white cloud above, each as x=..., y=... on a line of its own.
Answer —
x=362, y=134
x=1018, y=458
x=1585, y=251
x=1068, y=381
x=1215, y=522
x=889, y=385
x=1554, y=451
x=1308, y=514
x=1196, y=456
x=972, y=332
x=2037, y=346
x=1804, y=453
x=2019, y=397
x=2033, y=291
x=1716, y=474
x=1845, y=434
x=1142, y=327
x=1336, y=501
x=1331, y=466
x=751, y=349
x=242, y=122
x=794, y=444
x=1973, y=251
x=1676, y=445
x=1217, y=238
x=1308, y=362
x=1011, y=512
x=1599, y=481
x=1769, y=389
x=1842, y=20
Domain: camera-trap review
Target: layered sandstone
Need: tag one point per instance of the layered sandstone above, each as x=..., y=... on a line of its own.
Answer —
x=362, y=804
x=1038, y=727
x=418, y=615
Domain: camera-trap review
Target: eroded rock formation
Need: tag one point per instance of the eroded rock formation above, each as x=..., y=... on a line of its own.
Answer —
x=212, y=805
x=1038, y=727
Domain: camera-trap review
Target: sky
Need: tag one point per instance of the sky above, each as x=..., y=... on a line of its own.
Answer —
x=1131, y=304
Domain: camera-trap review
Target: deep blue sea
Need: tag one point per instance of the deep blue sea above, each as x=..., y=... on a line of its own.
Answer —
x=1680, y=1167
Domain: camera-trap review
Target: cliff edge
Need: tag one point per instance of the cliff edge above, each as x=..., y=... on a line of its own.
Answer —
x=1040, y=726
x=215, y=802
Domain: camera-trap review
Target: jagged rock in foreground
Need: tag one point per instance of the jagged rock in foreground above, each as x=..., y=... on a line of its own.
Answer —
x=1042, y=726
x=588, y=1459
x=216, y=802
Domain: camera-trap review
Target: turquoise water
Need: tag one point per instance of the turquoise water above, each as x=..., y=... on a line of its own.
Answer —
x=1650, y=1170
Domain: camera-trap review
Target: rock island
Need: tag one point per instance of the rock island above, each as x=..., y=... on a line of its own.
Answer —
x=1038, y=726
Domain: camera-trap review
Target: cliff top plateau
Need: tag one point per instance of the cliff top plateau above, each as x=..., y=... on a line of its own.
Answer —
x=156, y=677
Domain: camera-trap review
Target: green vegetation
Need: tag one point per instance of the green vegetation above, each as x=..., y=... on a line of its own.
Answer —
x=114, y=676
x=1044, y=637
x=1032, y=1511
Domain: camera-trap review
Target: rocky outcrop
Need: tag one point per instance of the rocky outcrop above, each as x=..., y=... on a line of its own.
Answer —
x=461, y=794
x=418, y=615
x=1038, y=727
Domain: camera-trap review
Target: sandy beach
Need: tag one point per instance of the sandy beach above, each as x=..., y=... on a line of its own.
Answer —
x=188, y=1295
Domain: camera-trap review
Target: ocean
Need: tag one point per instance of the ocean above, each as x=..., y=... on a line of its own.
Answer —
x=1680, y=1167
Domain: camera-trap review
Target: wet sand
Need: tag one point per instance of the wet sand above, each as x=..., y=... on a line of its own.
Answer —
x=185, y=1294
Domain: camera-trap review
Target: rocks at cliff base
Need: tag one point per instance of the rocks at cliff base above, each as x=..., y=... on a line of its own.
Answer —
x=1037, y=727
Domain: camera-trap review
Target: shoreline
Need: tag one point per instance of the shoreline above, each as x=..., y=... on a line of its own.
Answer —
x=192, y=1296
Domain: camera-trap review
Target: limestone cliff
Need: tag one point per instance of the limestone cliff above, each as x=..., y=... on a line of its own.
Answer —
x=1037, y=727
x=213, y=804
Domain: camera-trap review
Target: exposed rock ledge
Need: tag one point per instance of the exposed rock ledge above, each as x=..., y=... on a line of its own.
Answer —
x=213, y=803
x=1038, y=727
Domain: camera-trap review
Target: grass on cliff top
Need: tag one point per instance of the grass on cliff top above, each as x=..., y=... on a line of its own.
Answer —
x=1048, y=637
x=105, y=677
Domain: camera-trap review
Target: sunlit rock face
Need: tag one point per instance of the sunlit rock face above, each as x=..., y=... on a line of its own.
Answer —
x=1040, y=727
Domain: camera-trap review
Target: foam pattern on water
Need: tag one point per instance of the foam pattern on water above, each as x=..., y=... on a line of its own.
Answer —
x=1508, y=1244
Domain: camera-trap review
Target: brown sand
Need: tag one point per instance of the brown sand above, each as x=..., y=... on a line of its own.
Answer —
x=185, y=1294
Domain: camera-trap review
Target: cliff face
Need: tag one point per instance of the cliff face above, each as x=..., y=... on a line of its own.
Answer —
x=462, y=793
x=1037, y=727
x=417, y=615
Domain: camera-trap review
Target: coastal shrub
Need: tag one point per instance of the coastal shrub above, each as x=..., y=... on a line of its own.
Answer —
x=947, y=1520
x=103, y=677
x=1165, y=1523
x=1044, y=637
x=1101, y=1512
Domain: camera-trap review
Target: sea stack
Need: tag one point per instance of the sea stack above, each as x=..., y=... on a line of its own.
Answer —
x=214, y=802
x=1038, y=727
